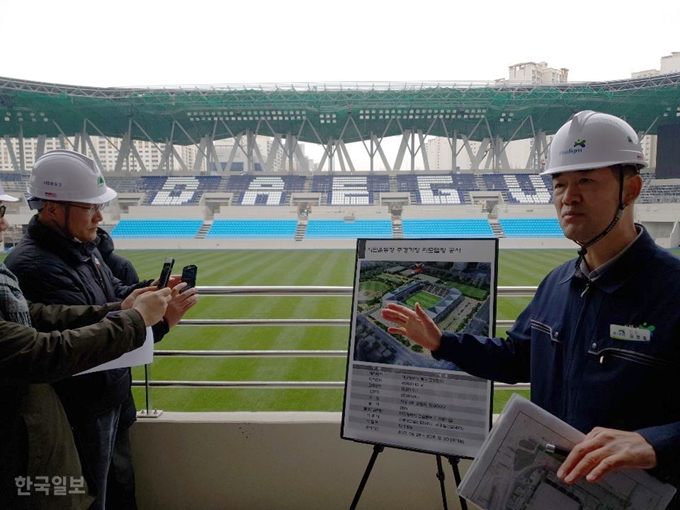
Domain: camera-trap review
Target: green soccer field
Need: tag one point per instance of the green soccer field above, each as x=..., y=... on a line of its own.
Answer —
x=265, y=267
x=425, y=299
x=290, y=268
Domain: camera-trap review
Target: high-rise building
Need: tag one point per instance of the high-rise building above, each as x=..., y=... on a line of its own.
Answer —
x=669, y=64
x=150, y=154
x=537, y=73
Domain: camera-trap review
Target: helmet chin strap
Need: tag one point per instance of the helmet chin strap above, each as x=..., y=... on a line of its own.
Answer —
x=584, y=246
x=64, y=228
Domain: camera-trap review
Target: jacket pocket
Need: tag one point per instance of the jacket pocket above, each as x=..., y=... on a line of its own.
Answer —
x=639, y=358
x=552, y=332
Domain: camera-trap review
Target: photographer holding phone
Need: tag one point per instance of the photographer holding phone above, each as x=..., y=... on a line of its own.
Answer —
x=58, y=262
x=36, y=347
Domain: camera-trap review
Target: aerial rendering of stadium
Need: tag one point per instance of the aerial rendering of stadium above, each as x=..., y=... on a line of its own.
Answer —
x=218, y=177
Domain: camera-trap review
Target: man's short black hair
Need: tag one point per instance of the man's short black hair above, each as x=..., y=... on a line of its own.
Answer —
x=627, y=170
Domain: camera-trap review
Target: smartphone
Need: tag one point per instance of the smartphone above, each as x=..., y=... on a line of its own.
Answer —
x=165, y=272
x=189, y=276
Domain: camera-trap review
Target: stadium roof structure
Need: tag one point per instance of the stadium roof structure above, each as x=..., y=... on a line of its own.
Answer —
x=321, y=113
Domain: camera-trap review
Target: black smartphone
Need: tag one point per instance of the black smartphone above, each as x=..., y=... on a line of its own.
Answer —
x=165, y=272
x=189, y=276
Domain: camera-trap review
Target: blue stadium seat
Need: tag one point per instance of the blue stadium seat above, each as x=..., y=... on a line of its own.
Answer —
x=339, y=229
x=270, y=229
x=175, y=229
x=531, y=227
x=446, y=228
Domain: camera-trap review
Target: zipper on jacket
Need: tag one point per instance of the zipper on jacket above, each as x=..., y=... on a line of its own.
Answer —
x=97, y=270
x=585, y=291
x=572, y=356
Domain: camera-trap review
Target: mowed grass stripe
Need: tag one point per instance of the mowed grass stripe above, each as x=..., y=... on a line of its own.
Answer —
x=229, y=399
x=250, y=338
x=529, y=267
x=243, y=369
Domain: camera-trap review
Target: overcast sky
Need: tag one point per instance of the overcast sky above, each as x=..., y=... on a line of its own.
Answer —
x=148, y=43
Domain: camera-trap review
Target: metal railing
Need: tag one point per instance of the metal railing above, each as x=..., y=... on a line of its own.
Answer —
x=281, y=291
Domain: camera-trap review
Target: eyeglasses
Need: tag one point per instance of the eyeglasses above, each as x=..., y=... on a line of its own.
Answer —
x=2, y=211
x=91, y=209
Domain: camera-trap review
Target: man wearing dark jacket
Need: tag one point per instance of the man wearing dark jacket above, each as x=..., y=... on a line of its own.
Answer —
x=35, y=438
x=58, y=262
x=121, y=267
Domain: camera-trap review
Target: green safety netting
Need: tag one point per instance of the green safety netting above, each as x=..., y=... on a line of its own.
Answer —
x=322, y=113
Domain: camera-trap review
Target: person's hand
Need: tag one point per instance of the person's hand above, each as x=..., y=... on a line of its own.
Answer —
x=604, y=450
x=129, y=301
x=180, y=303
x=415, y=325
x=173, y=280
x=152, y=305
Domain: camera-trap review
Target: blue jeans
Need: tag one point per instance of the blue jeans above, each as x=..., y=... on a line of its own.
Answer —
x=105, y=455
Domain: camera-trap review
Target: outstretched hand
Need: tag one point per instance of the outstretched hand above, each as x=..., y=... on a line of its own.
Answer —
x=604, y=450
x=415, y=325
x=180, y=303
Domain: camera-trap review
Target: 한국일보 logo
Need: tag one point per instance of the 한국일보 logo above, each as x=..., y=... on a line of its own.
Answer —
x=579, y=145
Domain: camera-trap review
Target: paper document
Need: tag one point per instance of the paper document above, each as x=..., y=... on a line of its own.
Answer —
x=514, y=471
x=140, y=356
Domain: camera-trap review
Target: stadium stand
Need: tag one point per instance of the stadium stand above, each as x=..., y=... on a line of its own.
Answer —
x=317, y=229
x=660, y=192
x=266, y=229
x=446, y=228
x=123, y=184
x=345, y=190
x=531, y=227
x=262, y=190
x=176, y=190
x=350, y=190
x=527, y=189
x=437, y=189
x=175, y=229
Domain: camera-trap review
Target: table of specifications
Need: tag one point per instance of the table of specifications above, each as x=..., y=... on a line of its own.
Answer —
x=445, y=412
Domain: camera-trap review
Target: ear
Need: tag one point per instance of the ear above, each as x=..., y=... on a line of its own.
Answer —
x=632, y=188
x=49, y=210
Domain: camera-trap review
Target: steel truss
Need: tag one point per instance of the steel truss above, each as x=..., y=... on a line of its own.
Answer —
x=331, y=115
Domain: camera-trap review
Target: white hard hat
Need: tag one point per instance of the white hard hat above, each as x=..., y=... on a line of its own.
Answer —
x=4, y=197
x=66, y=176
x=591, y=140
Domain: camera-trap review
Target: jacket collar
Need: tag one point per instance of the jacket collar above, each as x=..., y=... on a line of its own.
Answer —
x=623, y=268
x=55, y=242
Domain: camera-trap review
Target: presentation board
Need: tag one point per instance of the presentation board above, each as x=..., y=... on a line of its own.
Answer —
x=396, y=393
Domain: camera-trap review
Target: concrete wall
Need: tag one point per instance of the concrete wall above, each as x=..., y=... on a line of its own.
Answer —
x=278, y=461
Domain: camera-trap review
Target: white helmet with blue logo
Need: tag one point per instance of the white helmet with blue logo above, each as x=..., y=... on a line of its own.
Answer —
x=66, y=176
x=591, y=140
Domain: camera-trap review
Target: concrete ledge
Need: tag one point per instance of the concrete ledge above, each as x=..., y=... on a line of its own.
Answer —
x=276, y=461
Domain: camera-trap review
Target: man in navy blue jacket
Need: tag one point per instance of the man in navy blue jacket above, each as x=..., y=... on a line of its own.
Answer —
x=600, y=341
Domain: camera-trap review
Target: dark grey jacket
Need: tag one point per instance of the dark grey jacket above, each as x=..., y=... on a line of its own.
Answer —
x=35, y=438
